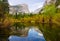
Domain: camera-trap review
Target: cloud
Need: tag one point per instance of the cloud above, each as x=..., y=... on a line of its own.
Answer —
x=14, y=2
x=33, y=4
x=40, y=34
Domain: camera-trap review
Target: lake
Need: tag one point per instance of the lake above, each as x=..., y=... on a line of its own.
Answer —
x=33, y=35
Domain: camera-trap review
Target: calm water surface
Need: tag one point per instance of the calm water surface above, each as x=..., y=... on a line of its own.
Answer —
x=33, y=35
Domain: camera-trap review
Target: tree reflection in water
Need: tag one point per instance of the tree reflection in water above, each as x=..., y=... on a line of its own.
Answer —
x=33, y=35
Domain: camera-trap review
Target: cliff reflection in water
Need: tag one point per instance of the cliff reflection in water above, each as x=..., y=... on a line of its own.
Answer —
x=33, y=35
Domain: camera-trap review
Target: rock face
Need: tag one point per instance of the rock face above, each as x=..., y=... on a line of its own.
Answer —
x=50, y=2
x=47, y=2
x=21, y=8
x=37, y=11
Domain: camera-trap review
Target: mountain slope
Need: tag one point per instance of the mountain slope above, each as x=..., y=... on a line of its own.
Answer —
x=21, y=8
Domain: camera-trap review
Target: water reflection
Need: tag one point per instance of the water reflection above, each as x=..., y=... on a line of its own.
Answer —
x=33, y=35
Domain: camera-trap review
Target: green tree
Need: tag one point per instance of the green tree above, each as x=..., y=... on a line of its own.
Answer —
x=57, y=4
x=3, y=10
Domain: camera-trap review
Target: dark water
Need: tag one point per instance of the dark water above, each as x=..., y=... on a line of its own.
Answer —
x=33, y=35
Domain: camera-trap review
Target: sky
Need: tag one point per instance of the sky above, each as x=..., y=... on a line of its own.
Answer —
x=32, y=4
